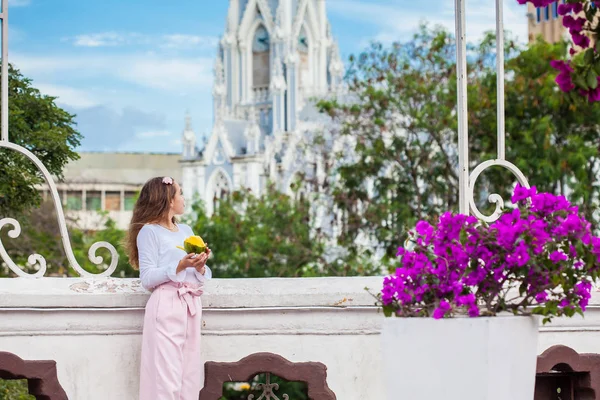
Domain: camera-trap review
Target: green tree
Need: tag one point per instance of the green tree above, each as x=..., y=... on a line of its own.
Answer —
x=241, y=390
x=274, y=235
x=40, y=234
x=399, y=125
x=258, y=237
x=109, y=232
x=39, y=125
x=392, y=153
x=15, y=390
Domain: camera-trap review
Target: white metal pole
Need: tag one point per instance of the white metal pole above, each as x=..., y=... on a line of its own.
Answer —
x=4, y=71
x=500, y=77
x=463, y=132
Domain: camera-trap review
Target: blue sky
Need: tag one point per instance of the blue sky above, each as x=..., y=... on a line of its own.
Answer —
x=131, y=69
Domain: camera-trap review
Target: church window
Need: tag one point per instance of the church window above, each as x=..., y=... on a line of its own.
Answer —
x=220, y=188
x=261, y=70
x=303, y=53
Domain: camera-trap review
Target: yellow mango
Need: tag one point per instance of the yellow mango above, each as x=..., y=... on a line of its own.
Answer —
x=193, y=244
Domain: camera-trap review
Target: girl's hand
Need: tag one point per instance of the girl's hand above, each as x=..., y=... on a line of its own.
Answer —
x=192, y=260
x=201, y=268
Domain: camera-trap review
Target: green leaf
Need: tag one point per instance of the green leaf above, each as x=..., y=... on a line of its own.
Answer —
x=592, y=79
x=579, y=81
x=578, y=59
x=388, y=311
x=589, y=56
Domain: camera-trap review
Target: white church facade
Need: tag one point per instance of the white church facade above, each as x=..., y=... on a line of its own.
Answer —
x=274, y=58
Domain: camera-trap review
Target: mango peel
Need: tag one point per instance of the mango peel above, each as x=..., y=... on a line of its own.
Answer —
x=193, y=244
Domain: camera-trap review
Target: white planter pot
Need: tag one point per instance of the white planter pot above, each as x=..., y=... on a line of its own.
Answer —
x=460, y=358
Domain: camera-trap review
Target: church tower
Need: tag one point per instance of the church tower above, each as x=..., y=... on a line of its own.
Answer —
x=276, y=54
x=273, y=58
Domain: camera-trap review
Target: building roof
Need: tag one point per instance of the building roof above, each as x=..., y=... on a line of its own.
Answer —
x=122, y=168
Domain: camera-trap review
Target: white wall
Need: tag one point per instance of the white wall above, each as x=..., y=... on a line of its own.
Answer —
x=92, y=329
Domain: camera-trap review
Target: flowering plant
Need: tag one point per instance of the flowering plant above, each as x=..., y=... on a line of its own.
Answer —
x=538, y=258
x=582, y=71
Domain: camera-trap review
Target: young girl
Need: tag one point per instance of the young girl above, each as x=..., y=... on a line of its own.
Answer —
x=171, y=366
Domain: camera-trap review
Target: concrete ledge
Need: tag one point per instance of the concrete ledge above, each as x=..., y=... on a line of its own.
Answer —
x=219, y=293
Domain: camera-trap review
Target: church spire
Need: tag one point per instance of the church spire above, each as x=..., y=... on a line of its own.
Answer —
x=279, y=33
x=233, y=16
x=219, y=90
x=189, y=138
x=278, y=78
x=219, y=71
x=278, y=91
x=188, y=121
x=336, y=68
x=252, y=132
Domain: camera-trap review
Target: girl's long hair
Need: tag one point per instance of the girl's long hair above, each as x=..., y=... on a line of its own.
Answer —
x=151, y=207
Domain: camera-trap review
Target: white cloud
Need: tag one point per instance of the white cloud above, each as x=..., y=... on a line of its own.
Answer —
x=398, y=20
x=169, y=74
x=19, y=3
x=99, y=39
x=16, y=35
x=180, y=41
x=171, y=41
x=183, y=74
x=116, y=127
x=152, y=134
x=68, y=96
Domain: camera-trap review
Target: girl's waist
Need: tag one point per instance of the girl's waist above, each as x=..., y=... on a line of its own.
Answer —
x=184, y=284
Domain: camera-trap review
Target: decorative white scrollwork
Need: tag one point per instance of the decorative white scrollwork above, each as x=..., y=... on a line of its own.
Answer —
x=32, y=260
x=38, y=259
x=467, y=181
x=493, y=198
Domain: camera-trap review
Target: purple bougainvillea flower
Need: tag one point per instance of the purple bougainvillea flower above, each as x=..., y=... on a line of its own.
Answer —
x=441, y=310
x=460, y=265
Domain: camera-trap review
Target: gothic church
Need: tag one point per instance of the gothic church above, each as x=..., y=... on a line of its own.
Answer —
x=274, y=58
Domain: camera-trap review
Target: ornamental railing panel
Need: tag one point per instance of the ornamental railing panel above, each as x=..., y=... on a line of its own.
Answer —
x=259, y=376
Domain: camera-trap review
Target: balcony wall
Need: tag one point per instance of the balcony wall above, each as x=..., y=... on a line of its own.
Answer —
x=92, y=329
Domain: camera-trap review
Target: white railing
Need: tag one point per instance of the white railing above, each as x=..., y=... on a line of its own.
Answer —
x=260, y=94
x=467, y=181
x=4, y=83
x=36, y=260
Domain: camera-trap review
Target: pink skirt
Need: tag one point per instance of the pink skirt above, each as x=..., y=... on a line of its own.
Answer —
x=171, y=364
